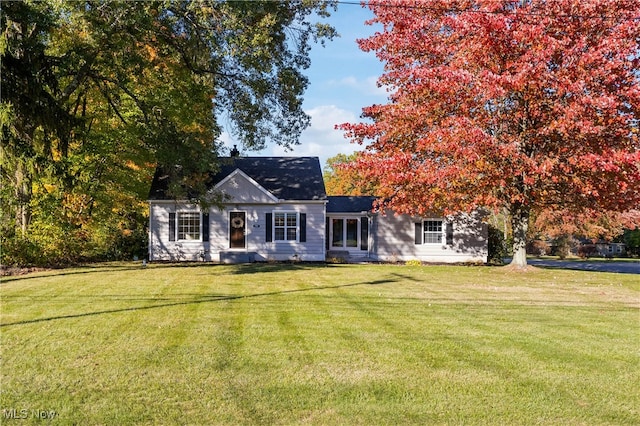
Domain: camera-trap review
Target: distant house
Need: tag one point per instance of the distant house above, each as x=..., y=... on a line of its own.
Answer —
x=601, y=248
x=277, y=209
x=608, y=249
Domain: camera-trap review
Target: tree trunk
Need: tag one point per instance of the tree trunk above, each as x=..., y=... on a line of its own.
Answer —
x=520, y=226
x=23, y=194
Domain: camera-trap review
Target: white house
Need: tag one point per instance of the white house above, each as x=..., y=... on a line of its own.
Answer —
x=276, y=208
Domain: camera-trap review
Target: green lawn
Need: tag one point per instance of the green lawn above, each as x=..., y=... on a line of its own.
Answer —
x=316, y=344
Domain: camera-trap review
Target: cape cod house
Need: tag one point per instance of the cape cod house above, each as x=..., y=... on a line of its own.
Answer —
x=276, y=208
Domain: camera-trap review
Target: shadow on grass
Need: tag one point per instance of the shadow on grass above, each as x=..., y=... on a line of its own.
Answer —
x=238, y=269
x=202, y=299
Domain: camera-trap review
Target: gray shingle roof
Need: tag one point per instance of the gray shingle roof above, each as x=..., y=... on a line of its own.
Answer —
x=287, y=178
x=346, y=204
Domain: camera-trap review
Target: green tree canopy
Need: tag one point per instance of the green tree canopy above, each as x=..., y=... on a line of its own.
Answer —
x=95, y=94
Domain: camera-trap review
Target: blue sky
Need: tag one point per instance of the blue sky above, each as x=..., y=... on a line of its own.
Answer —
x=342, y=81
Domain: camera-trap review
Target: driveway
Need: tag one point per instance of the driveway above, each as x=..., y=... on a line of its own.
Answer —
x=586, y=265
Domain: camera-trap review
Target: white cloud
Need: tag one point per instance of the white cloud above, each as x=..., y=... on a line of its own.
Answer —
x=367, y=86
x=350, y=81
x=321, y=139
x=371, y=87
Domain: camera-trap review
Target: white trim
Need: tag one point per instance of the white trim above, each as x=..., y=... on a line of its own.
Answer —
x=232, y=203
x=169, y=202
x=249, y=179
x=283, y=201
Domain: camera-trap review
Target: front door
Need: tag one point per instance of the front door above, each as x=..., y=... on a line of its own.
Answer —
x=237, y=229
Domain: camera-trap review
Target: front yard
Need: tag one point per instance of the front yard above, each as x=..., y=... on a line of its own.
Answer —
x=319, y=344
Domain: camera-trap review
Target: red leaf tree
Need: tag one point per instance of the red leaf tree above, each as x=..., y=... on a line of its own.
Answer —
x=528, y=105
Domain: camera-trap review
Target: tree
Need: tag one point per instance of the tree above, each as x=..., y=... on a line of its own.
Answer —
x=341, y=179
x=95, y=94
x=594, y=225
x=631, y=239
x=525, y=105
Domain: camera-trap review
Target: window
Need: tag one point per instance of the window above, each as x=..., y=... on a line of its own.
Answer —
x=348, y=233
x=185, y=226
x=432, y=232
x=188, y=226
x=345, y=232
x=285, y=226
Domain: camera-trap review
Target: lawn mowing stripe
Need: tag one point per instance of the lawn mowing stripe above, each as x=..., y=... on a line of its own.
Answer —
x=324, y=346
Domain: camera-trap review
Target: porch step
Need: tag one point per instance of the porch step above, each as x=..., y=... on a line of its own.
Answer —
x=341, y=254
x=237, y=257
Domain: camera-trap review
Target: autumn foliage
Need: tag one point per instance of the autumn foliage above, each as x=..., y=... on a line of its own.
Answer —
x=340, y=178
x=524, y=105
x=590, y=224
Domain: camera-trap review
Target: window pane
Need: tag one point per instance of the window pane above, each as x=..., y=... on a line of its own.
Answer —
x=279, y=233
x=291, y=234
x=352, y=232
x=291, y=219
x=432, y=238
x=433, y=226
x=337, y=232
x=278, y=219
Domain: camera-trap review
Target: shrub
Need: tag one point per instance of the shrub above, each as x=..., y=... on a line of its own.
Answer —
x=563, y=246
x=586, y=251
x=497, y=246
x=538, y=248
x=54, y=245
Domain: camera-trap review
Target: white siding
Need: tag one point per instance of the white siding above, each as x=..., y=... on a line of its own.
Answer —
x=242, y=190
x=393, y=239
x=160, y=248
x=311, y=250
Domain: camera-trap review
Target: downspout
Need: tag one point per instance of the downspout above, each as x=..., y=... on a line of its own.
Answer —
x=370, y=234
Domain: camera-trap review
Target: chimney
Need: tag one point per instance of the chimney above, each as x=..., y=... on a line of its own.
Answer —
x=235, y=152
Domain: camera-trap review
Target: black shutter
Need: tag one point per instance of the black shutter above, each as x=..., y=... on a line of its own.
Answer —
x=326, y=234
x=418, y=235
x=303, y=227
x=172, y=226
x=205, y=226
x=449, y=233
x=269, y=225
x=364, y=233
